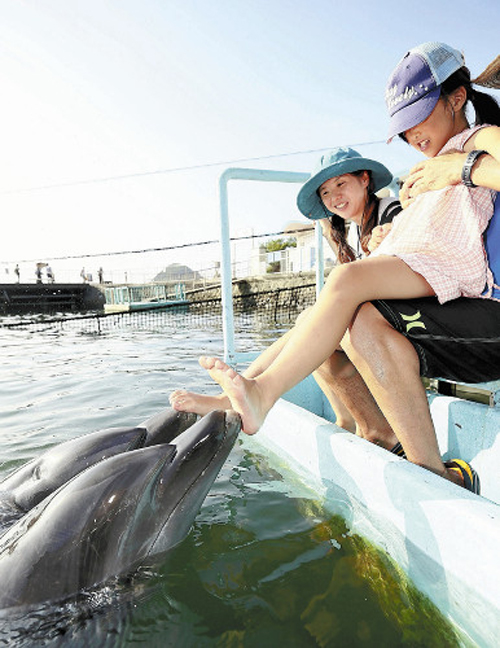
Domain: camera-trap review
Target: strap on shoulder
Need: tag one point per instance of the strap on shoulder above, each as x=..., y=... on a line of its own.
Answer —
x=389, y=207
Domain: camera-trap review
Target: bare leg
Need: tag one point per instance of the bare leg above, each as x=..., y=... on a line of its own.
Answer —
x=335, y=371
x=341, y=382
x=316, y=338
x=354, y=406
x=390, y=367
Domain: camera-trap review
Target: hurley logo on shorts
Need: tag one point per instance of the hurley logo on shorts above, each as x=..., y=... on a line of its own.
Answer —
x=412, y=321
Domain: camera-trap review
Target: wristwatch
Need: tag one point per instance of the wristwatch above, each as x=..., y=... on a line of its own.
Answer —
x=470, y=160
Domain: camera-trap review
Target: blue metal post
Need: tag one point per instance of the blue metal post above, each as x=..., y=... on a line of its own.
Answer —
x=320, y=260
x=262, y=175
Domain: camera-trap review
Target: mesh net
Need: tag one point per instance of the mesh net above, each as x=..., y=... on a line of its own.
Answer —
x=280, y=306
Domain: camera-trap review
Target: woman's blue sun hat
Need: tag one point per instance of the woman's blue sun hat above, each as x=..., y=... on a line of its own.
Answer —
x=332, y=164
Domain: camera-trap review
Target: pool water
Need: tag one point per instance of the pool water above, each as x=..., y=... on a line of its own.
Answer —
x=264, y=564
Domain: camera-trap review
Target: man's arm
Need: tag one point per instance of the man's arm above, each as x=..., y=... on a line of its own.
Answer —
x=445, y=170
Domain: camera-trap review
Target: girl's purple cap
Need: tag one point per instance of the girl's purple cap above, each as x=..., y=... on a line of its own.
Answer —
x=414, y=87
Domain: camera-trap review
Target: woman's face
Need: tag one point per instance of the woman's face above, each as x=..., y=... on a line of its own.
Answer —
x=346, y=195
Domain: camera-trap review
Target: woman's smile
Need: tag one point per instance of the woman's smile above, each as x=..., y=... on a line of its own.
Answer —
x=345, y=195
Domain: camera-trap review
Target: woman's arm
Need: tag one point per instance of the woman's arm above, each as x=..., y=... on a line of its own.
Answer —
x=378, y=235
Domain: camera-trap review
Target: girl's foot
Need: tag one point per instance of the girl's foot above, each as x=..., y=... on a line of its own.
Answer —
x=184, y=401
x=244, y=393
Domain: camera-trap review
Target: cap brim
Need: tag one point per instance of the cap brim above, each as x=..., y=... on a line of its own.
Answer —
x=310, y=204
x=414, y=114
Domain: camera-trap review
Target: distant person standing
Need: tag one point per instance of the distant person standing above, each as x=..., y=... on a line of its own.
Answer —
x=17, y=272
x=50, y=275
x=38, y=273
x=100, y=275
x=83, y=275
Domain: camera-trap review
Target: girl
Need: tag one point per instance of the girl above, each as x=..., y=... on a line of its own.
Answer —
x=354, y=181
x=426, y=97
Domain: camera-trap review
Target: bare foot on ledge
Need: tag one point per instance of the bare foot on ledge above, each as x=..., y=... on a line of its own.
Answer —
x=244, y=393
x=184, y=401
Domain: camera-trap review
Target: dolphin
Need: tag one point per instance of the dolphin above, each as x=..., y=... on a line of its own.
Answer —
x=32, y=482
x=114, y=515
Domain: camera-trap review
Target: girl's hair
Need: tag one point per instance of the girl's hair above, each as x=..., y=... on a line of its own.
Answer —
x=485, y=106
x=369, y=220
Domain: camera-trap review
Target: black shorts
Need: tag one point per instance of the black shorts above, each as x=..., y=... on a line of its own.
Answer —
x=458, y=340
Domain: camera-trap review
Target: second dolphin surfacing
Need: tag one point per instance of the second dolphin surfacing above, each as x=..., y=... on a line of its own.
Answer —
x=114, y=515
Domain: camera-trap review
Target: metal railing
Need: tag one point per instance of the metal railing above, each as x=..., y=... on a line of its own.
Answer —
x=259, y=175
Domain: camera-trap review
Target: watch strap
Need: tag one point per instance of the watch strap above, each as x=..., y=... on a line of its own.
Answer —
x=470, y=160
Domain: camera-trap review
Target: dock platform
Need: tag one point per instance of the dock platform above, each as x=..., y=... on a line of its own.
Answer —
x=19, y=298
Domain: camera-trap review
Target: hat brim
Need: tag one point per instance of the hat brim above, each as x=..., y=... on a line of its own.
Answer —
x=308, y=201
x=414, y=114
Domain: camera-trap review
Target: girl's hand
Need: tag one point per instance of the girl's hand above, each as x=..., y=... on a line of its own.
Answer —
x=378, y=235
x=432, y=174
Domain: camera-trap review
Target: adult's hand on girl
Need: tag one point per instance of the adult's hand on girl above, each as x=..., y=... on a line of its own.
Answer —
x=432, y=174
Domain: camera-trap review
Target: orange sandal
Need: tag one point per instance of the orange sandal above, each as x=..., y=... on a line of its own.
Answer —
x=467, y=473
x=398, y=450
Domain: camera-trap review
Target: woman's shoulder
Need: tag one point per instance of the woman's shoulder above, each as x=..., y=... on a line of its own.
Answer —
x=388, y=208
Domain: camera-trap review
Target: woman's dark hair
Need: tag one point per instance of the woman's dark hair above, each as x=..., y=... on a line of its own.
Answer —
x=369, y=220
x=485, y=106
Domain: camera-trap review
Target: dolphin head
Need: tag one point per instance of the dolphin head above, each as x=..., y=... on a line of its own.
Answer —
x=111, y=517
x=31, y=483
x=166, y=425
x=200, y=452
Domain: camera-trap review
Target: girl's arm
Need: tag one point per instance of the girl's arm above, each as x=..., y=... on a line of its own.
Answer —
x=485, y=139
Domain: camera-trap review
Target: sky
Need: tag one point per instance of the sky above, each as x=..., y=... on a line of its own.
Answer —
x=118, y=116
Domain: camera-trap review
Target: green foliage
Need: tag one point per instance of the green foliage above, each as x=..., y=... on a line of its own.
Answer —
x=275, y=245
x=274, y=266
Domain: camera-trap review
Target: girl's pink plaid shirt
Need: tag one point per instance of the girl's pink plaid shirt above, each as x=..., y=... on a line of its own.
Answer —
x=440, y=236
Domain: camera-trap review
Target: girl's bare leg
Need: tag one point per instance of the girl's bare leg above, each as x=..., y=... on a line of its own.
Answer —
x=316, y=338
x=354, y=406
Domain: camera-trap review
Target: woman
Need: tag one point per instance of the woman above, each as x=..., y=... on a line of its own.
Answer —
x=350, y=183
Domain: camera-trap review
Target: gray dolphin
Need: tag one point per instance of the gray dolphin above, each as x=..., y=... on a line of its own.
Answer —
x=114, y=515
x=32, y=482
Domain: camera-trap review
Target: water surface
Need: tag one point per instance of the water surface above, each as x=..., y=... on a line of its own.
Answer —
x=264, y=565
